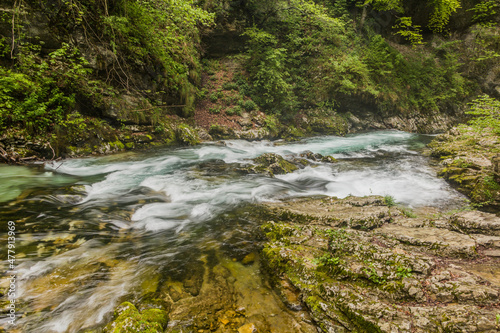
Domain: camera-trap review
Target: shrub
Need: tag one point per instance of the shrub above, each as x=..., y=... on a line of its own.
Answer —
x=486, y=113
x=215, y=110
x=249, y=105
x=236, y=110
x=230, y=86
x=214, y=97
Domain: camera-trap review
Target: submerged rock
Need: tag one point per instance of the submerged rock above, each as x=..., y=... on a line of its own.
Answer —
x=361, y=266
x=127, y=319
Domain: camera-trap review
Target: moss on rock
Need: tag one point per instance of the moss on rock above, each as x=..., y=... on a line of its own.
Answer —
x=127, y=319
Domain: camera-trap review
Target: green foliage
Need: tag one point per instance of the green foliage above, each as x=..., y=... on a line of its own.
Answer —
x=236, y=110
x=328, y=261
x=486, y=113
x=406, y=29
x=267, y=65
x=386, y=4
x=403, y=272
x=416, y=83
x=300, y=57
x=443, y=9
x=408, y=212
x=389, y=201
x=215, y=110
x=248, y=105
x=484, y=11
x=372, y=275
x=39, y=94
x=214, y=97
x=230, y=86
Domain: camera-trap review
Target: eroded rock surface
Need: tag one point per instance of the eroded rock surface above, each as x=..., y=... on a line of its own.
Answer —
x=360, y=266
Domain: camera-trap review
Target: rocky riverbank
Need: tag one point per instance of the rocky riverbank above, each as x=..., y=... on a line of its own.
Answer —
x=469, y=159
x=335, y=265
x=360, y=265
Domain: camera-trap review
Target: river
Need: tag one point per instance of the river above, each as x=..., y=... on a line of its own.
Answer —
x=93, y=232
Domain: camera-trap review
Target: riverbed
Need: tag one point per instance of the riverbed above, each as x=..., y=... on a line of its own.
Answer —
x=94, y=232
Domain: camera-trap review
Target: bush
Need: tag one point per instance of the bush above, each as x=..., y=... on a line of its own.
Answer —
x=234, y=111
x=215, y=110
x=214, y=97
x=230, y=86
x=486, y=113
x=249, y=105
x=389, y=201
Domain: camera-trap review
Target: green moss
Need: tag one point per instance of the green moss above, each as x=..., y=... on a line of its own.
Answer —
x=155, y=316
x=130, y=145
x=117, y=145
x=124, y=310
x=221, y=132
x=273, y=259
x=129, y=320
x=187, y=135
x=277, y=232
x=333, y=125
x=272, y=164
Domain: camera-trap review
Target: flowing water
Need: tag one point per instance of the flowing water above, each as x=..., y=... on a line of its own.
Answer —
x=96, y=231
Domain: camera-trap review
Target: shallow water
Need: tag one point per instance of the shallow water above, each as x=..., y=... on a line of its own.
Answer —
x=94, y=232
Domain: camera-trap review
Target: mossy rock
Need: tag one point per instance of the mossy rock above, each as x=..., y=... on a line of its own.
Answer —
x=271, y=164
x=127, y=319
x=334, y=125
x=187, y=135
x=117, y=145
x=155, y=316
x=220, y=132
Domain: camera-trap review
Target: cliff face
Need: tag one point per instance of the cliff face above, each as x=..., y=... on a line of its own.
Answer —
x=83, y=77
x=79, y=76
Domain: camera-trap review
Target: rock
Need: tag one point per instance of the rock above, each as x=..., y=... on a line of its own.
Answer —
x=248, y=259
x=372, y=212
x=248, y=328
x=439, y=241
x=492, y=253
x=271, y=164
x=186, y=135
x=469, y=161
x=203, y=134
x=476, y=222
x=387, y=278
x=128, y=319
x=219, y=132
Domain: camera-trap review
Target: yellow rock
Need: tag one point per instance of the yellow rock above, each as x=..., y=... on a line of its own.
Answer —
x=249, y=259
x=247, y=328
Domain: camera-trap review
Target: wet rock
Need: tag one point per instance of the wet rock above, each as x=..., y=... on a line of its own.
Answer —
x=153, y=301
x=203, y=134
x=247, y=328
x=219, y=132
x=271, y=164
x=186, y=135
x=128, y=319
x=248, y=259
x=495, y=161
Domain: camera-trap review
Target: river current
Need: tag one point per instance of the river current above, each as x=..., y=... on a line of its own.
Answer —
x=90, y=232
